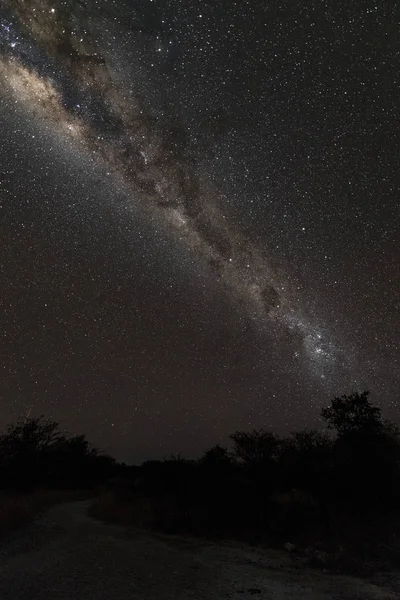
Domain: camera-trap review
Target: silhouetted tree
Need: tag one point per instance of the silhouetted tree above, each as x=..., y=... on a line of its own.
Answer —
x=36, y=452
x=23, y=448
x=366, y=453
x=255, y=448
x=353, y=413
x=216, y=457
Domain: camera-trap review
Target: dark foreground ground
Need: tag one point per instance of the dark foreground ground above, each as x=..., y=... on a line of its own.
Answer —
x=65, y=554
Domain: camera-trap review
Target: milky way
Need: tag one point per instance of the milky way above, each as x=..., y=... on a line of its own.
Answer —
x=251, y=134
x=75, y=89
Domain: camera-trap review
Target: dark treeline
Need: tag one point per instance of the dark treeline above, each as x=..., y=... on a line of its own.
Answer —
x=35, y=453
x=304, y=488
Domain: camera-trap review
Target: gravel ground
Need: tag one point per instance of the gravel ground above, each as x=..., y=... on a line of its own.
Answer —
x=67, y=555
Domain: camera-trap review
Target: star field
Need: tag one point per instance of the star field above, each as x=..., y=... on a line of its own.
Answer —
x=200, y=216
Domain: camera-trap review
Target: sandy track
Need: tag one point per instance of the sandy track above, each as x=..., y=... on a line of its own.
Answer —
x=67, y=555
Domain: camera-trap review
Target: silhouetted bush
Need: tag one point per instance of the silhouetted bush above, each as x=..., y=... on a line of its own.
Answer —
x=306, y=487
x=34, y=452
x=312, y=488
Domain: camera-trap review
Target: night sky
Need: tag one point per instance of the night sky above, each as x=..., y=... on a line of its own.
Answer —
x=199, y=216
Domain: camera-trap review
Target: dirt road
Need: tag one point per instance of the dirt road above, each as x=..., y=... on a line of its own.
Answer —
x=67, y=555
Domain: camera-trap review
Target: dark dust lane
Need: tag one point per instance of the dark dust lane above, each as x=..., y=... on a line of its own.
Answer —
x=67, y=555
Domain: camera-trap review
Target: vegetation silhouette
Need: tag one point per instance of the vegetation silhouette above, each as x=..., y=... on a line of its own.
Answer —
x=336, y=491
x=35, y=452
